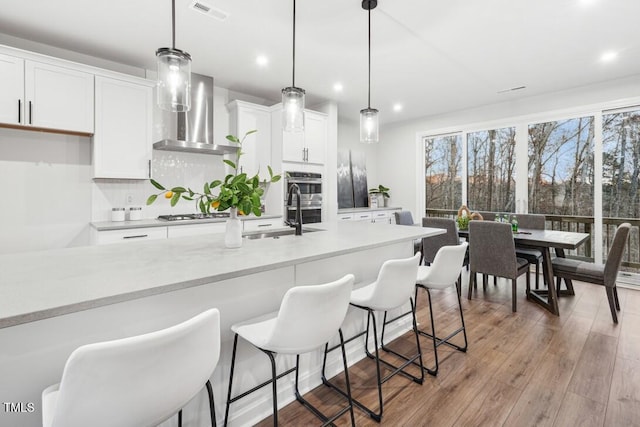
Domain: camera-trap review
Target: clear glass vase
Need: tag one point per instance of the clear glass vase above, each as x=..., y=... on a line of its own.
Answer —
x=233, y=231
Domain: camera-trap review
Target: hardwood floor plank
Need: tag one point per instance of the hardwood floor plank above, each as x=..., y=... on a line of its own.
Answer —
x=623, y=407
x=580, y=411
x=592, y=376
x=492, y=407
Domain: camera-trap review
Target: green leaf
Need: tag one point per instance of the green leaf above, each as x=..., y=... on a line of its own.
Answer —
x=175, y=198
x=257, y=211
x=179, y=190
x=250, y=132
x=215, y=183
x=187, y=197
x=244, y=188
x=233, y=138
x=270, y=170
x=201, y=205
x=157, y=184
x=230, y=163
x=206, y=188
x=276, y=178
x=191, y=193
x=239, y=178
x=152, y=198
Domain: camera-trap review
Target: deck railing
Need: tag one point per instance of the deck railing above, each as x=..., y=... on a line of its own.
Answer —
x=585, y=224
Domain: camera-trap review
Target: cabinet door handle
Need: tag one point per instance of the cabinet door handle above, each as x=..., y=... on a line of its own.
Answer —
x=30, y=114
x=265, y=225
x=149, y=163
x=19, y=111
x=139, y=236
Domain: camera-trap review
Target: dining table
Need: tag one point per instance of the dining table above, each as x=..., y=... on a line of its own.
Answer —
x=544, y=241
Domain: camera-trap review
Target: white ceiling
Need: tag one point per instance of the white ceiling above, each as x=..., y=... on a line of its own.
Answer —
x=431, y=56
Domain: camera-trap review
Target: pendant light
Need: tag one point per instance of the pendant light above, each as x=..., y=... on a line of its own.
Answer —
x=174, y=74
x=292, y=96
x=369, y=116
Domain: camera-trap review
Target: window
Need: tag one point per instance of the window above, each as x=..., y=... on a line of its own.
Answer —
x=491, y=162
x=443, y=169
x=561, y=167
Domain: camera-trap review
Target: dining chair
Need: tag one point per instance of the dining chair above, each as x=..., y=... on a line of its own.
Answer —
x=309, y=316
x=136, y=381
x=403, y=218
x=431, y=245
x=492, y=251
x=532, y=255
x=598, y=274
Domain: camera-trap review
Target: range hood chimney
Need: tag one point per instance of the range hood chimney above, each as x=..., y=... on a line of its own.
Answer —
x=192, y=132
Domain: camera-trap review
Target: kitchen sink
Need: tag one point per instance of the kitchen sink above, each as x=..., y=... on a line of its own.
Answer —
x=276, y=234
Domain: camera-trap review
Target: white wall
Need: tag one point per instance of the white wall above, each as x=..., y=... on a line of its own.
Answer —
x=398, y=154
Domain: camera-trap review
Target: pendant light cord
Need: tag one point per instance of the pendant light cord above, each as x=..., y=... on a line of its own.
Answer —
x=369, y=87
x=173, y=24
x=293, y=83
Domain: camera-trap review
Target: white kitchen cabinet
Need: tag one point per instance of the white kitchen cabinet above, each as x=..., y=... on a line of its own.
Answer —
x=309, y=146
x=130, y=235
x=381, y=217
x=262, y=224
x=57, y=98
x=362, y=216
x=123, y=129
x=11, y=90
x=345, y=217
x=196, y=229
x=256, y=148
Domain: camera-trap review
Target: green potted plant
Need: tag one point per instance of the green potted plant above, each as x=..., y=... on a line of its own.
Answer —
x=238, y=192
x=381, y=191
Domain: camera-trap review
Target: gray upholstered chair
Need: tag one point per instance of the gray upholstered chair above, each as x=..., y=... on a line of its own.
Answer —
x=492, y=251
x=532, y=255
x=604, y=275
x=488, y=216
x=403, y=218
x=431, y=245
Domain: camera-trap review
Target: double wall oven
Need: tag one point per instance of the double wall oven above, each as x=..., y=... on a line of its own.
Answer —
x=310, y=185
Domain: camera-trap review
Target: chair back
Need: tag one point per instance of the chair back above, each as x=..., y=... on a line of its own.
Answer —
x=614, y=258
x=403, y=218
x=445, y=268
x=488, y=216
x=310, y=315
x=141, y=380
x=492, y=249
x=431, y=245
x=395, y=283
x=532, y=221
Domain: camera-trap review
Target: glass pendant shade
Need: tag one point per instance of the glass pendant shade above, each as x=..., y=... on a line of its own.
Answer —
x=369, y=125
x=174, y=79
x=293, y=109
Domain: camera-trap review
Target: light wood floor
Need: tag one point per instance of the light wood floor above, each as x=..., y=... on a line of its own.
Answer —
x=528, y=368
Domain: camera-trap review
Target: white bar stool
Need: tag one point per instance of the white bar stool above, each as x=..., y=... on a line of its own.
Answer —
x=443, y=272
x=392, y=289
x=308, y=317
x=137, y=381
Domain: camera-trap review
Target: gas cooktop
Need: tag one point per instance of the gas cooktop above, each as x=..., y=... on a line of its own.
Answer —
x=183, y=217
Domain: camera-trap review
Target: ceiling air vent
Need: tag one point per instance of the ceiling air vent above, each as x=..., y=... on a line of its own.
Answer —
x=208, y=10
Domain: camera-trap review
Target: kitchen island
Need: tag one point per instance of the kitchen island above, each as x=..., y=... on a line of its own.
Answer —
x=52, y=302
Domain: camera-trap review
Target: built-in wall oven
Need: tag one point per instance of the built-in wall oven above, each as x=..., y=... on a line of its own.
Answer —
x=310, y=185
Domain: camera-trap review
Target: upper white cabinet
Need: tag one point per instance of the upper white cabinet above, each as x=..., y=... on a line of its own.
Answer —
x=309, y=146
x=57, y=98
x=122, y=141
x=256, y=148
x=11, y=90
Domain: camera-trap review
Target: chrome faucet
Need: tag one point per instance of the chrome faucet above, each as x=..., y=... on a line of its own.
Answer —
x=298, y=219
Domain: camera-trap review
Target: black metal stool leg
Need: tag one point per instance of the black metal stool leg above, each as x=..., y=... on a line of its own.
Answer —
x=212, y=408
x=233, y=364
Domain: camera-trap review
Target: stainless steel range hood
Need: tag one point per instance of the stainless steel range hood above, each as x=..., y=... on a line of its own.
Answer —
x=192, y=132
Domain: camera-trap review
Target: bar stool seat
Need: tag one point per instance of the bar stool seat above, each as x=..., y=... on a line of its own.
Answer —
x=309, y=316
x=392, y=289
x=136, y=381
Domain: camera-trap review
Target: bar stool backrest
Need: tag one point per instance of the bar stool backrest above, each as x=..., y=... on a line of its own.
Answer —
x=141, y=380
x=445, y=268
x=395, y=283
x=310, y=316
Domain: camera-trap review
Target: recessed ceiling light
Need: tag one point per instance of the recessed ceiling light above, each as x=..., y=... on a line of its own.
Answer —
x=397, y=107
x=608, y=56
x=262, y=60
x=338, y=87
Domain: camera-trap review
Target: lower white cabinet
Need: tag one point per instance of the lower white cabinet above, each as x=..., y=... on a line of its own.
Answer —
x=362, y=216
x=381, y=217
x=262, y=224
x=345, y=217
x=130, y=235
x=196, y=229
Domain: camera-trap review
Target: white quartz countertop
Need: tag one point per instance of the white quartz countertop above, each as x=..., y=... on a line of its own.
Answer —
x=39, y=285
x=144, y=223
